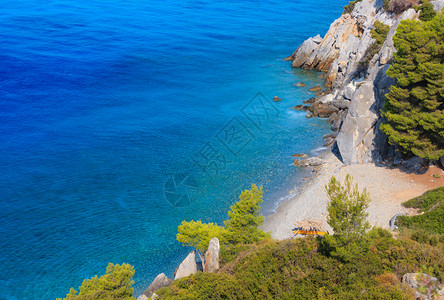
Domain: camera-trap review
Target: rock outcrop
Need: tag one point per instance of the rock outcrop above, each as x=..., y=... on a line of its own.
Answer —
x=187, y=267
x=160, y=281
x=424, y=285
x=212, y=256
x=357, y=93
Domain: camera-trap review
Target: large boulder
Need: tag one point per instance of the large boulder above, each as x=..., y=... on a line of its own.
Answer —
x=212, y=256
x=160, y=281
x=304, y=51
x=355, y=139
x=187, y=267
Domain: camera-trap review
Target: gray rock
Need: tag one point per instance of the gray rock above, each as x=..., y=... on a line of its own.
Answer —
x=415, y=165
x=342, y=104
x=357, y=131
x=309, y=115
x=326, y=99
x=212, y=256
x=348, y=91
x=425, y=283
x=160, y=281
x=309, y=162
x=441, y=160
x=304, y=51
x=187, y=267
x=317, y=39
x=154, y=296
x=438, y=5
x=142, y=297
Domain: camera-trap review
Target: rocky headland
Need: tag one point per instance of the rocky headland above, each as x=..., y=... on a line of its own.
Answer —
x=355, y=83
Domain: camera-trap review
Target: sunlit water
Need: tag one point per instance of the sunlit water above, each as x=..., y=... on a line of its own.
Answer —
x=120, y=119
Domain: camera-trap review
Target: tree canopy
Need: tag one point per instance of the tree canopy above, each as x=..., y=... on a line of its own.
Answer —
x=348, y=217
x=198, y=235
x=414, y=109
x=115, y=284
x=245, y=218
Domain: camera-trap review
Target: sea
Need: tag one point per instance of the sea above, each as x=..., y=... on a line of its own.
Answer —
x=120, y=119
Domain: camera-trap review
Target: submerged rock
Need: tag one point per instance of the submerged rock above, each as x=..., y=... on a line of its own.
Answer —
x=276, y=99
x=297, y=107
x=309, y=101
x=300, y=155
x=315, y=88
x=299, y=84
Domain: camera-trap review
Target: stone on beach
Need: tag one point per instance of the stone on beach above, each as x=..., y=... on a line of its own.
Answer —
x=309, y=162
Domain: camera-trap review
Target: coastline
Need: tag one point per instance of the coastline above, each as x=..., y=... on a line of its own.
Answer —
x=388, y=188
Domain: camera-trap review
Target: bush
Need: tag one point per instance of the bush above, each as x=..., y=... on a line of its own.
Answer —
x=379, y=32
x=427, y=12
x=350, y=6
x=115, y=284
x=386, y=4
x=295, y=269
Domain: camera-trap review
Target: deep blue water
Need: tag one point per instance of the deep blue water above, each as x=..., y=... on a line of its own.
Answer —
x=104, y=105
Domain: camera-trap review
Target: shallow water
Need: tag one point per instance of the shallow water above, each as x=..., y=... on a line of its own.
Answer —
x=118, y=120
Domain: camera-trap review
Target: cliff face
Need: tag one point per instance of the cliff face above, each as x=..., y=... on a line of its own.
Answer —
x=340, y=53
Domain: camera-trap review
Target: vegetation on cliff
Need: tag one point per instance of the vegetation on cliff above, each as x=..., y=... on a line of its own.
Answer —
x=242, y=227
x=306, y=268
x=310, y=268
x=115, y=284
x=379, y=32
x=428, y=226
x=414, y=109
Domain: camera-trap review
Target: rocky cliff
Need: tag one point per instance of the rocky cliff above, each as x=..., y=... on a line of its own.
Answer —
x=356, y=87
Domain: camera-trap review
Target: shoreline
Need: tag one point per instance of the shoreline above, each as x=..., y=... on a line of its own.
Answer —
x=388, y=188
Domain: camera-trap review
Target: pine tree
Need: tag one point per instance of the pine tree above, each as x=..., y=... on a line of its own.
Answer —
x=414, y=109
x=348, y=217
x=245, y=218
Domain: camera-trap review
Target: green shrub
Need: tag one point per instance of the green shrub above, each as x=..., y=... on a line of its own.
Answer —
x=427, y=12
x=295, y=269
x=115, y=284
x=350, y=6
x=386, y=4
x=379, y=32
x=427, y=200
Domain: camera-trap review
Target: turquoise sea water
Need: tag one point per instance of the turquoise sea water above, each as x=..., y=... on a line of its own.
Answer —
x=120, y=119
